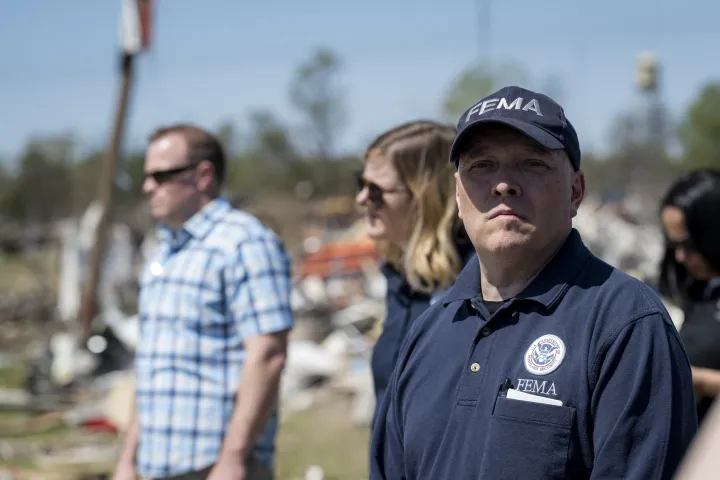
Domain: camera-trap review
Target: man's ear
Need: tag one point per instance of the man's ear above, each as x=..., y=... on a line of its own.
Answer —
x=206, y=177
x=578, y=191
x=457, y=193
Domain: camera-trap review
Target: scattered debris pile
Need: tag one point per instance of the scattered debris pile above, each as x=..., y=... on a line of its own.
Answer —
x=25, y=317
x=616, y=233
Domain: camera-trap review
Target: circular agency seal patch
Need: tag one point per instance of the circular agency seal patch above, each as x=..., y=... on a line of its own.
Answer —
x=544, y=355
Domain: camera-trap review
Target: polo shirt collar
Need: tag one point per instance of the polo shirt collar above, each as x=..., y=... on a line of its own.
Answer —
x=549, y=285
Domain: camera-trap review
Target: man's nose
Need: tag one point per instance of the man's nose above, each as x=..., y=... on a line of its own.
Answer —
x=149, y=185
x=362, y=197
x=506, y=188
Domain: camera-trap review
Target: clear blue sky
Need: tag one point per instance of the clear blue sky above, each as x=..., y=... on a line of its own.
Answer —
x=213, y=60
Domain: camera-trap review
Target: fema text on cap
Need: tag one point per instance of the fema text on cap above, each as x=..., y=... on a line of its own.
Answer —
x=490, y=105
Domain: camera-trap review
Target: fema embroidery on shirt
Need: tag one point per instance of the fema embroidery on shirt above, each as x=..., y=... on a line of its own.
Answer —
x=533, y=385
x=544, y=355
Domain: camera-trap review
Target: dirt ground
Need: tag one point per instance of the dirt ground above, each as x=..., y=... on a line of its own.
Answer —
x=322, y=436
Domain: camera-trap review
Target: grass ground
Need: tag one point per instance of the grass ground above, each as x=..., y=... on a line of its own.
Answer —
x=11, y=376
x=323, y=435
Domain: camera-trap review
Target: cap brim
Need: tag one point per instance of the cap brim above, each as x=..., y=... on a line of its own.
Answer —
x=531, y=131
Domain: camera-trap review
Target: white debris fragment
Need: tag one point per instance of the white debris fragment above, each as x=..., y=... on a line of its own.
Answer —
x=314, y=472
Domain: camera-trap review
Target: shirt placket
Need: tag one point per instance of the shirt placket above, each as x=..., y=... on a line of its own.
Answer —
x=477, y=365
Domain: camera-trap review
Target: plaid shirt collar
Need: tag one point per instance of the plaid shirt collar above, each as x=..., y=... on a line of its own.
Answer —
x=197, y=226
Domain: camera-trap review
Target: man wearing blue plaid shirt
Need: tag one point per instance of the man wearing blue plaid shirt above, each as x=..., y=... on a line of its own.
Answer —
x=214, y=319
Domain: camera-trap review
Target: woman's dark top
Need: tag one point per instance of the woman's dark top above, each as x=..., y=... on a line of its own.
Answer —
x=403, y=306
x=700, y=333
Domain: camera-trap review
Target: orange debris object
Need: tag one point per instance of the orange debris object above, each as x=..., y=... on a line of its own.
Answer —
x=340, y=258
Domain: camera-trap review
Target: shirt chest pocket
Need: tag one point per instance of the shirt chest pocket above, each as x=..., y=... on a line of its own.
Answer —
x=527, y=440
x=203, y=312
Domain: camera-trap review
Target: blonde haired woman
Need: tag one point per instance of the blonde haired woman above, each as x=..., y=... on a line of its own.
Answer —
x=407, y=191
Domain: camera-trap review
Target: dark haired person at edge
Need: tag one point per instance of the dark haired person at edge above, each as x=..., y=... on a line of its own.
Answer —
x=690, y=274
x=541, y=361
x=406, y=190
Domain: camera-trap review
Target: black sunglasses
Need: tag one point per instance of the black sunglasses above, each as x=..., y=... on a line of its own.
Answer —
x=162, y=176
x=375, y=191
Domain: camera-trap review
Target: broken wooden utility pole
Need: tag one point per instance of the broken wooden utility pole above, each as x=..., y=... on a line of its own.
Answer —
x=135, y=38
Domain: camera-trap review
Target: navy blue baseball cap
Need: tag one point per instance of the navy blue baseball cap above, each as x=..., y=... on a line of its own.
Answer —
x=533, y=114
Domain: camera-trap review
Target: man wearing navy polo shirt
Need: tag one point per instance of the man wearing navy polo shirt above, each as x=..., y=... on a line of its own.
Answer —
x=542, y=361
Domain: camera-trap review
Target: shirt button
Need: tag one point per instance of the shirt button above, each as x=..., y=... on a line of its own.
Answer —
x=156, y=269
x=485, y=331
x=475, y=367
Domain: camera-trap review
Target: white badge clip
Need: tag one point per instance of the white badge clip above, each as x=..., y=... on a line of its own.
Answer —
x=527, y=397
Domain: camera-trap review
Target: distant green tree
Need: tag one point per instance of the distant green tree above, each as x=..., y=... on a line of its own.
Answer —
x=6, y=179
x=267, y=156
x=42, y=189
x=700, y=131
x=479, y=81
x=227, y=135
x=316, y=94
